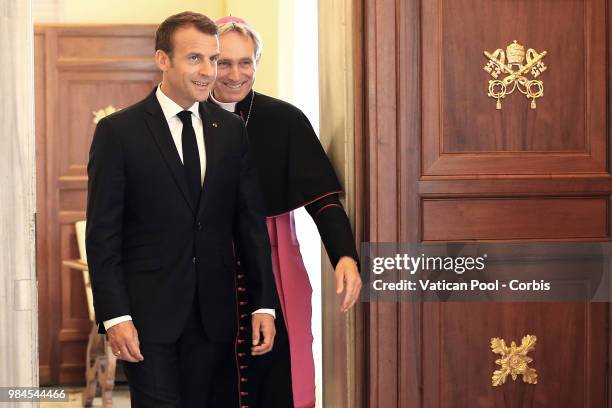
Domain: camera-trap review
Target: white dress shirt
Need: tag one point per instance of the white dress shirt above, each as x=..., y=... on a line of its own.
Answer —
x=170, y=110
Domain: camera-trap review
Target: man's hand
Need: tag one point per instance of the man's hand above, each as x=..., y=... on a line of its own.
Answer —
x=123, y=338
x=348, y=280
x=263, y=324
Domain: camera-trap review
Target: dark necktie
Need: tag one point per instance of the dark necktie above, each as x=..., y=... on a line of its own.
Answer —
x=191, y=157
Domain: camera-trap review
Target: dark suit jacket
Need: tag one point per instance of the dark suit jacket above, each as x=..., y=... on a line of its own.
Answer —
x=150, y=248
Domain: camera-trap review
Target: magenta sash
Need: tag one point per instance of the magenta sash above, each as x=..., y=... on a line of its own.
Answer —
x=295, y=295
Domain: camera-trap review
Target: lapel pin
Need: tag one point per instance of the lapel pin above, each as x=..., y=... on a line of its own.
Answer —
x=215, y=124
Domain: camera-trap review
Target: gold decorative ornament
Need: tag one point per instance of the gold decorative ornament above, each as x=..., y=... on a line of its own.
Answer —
x=514, y=360
x=101, y=113
x=515, y=78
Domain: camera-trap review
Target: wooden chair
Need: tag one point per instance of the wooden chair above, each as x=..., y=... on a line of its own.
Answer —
x=101, y=363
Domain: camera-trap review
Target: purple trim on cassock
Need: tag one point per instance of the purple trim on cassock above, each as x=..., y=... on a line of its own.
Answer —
x=328, y=206
x=305, y=204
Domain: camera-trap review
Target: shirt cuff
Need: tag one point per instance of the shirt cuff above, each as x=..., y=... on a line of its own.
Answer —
x=266, y=311
x=110, y=323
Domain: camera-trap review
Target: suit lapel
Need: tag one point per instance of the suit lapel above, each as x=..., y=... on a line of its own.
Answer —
x=161, y=133
x=211, y=127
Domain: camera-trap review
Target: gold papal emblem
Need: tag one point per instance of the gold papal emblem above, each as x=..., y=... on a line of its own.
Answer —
x=512, y=64
x=514, y=360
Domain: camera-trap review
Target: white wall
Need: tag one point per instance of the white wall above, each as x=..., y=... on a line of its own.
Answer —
x=120, y=11
x=304, y=93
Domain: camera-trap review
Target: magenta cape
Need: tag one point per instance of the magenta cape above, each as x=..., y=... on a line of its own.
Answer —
x=295, y=296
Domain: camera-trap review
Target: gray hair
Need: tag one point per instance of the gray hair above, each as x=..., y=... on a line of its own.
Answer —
x=244, y=30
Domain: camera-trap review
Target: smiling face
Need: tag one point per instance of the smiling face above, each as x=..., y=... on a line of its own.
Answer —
x=237, y=66
x=189, y=72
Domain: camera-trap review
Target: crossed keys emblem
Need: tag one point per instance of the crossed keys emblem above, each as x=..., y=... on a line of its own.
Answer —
x=515, y=70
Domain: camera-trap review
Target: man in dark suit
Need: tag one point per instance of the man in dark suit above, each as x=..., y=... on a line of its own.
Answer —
x=171, y=188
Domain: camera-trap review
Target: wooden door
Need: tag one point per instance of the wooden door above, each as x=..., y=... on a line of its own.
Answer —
x=79, y=70
x=442, y=164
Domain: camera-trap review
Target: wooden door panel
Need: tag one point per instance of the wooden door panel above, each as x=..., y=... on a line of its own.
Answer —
x=109, y=42
x=471, y=27
x=86, y=93
x=464, y=134
x=460, y=361
x=467, y=219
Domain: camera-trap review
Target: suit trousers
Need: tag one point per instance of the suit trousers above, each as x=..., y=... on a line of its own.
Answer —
x=192, y=372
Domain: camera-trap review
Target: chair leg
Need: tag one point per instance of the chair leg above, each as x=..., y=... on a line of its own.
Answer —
x=106, y=375
x=92, y=363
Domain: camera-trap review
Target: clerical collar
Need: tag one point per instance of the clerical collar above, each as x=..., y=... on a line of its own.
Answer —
x=242, y=108
x=228, y=106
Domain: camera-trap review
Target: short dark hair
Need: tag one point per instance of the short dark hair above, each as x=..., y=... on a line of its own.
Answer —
x=165, y=31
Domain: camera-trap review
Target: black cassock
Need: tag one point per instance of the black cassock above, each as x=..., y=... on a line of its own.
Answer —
x=294, y=171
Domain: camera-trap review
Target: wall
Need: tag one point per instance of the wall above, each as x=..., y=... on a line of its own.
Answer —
x=271, y=18
x=134, y=11
x=18, y=308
